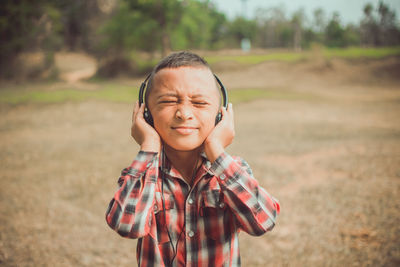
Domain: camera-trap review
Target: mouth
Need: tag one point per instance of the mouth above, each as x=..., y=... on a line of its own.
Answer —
x=185, y=130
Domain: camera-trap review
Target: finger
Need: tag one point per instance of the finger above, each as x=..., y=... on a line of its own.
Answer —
x=135, y=110
x=224, y=110
x=141, y=111
x=227, y=111
x=228, y=114
x=230, y=109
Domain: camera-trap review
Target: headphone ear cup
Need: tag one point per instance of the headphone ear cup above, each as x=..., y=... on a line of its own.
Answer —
x=218, y=118
x=147, y=116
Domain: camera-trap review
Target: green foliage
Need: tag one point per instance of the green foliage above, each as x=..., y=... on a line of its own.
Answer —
x=201, y=27
x=127, y=30
x=109, y=92
x=379, y=27
x=163, y=25
x=249, y=94
x=166, y=13
x=338, y=36
x=241, y=28
x=351, y=36
x=16, y=23
x=251, y=59
x=359, y=52
x=334, y=33
x=273, y=28
x=42, y=25
x=156, y=27
x=78, y=20
x=292, y=56
x=25, y=26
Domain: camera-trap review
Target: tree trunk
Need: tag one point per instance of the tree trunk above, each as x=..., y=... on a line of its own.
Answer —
x=165, y=44
x=297, y=38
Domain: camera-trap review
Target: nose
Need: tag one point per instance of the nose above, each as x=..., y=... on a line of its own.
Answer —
x=184, y=112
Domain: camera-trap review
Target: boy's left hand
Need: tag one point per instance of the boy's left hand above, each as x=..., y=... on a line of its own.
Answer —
x=221, y=136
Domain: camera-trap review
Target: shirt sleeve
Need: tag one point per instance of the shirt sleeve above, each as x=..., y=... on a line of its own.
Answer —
x=254, y=208
x=129, y=212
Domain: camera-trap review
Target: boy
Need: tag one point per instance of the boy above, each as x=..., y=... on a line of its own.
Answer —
x=184, y=197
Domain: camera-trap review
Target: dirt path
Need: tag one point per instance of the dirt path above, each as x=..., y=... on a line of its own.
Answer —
x=333, y=162
x=74, y=67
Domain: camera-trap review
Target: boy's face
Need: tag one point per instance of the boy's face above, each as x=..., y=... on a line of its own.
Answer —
x=184, y=102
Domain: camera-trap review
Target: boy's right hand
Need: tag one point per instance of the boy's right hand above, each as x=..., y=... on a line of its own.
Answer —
x=143, y=133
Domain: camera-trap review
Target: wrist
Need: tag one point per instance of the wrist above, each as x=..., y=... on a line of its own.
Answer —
x=213, y=150
x=151, y=146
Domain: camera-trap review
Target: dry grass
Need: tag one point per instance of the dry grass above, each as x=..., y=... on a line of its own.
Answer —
x=332, y=161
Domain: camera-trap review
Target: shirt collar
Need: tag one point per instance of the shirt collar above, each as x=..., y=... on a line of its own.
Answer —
x=167, y=168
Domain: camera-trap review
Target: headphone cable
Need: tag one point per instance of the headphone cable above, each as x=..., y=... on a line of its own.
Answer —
x=163, y=204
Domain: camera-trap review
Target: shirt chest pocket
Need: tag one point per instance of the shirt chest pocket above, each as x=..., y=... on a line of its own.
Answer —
x=213, y=199
x=214, y=214
x=163, y=211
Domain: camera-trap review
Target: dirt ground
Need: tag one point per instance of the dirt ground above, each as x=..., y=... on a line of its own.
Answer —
x=332, y=158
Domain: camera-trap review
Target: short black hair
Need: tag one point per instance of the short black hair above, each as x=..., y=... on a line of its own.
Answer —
x=176, y=60
x=181, y=59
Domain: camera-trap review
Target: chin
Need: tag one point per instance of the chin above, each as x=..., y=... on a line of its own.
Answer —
x=184, y=146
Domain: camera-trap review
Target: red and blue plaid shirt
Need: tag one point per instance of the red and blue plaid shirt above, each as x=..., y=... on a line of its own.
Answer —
x=203, y=220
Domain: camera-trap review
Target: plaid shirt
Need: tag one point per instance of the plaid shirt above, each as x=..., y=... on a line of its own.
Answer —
x=203, y=220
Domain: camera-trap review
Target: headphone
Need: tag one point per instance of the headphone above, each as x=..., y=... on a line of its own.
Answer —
x=147, y=115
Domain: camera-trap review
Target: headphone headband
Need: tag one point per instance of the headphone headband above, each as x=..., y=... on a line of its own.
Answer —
x=141, y=91
x=224, y=93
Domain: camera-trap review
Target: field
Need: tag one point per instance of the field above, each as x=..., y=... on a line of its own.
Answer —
x=321, y=135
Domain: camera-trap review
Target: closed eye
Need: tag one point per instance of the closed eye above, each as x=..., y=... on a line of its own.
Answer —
x=168, y=101
x=200, y=103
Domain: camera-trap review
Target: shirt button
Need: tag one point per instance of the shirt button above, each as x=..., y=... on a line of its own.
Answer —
x=191, y=234
x=222, y=176
x=221, y=205
x=190, y=201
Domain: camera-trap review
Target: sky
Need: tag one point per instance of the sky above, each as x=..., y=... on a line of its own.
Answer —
x=351, y=11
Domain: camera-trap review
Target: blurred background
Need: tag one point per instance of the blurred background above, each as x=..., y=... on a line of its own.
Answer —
x=315, y=87
x=129, y=37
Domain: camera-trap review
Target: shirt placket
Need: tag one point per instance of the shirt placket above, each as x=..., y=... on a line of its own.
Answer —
x=191, y=212
x=180, y=258
x=190, y=219
x=190, y=226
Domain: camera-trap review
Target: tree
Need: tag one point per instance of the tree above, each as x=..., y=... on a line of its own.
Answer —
x=378, y=26
x=201, y=27
x=388, y=32
x=166, y=13
x=298, y=19
x=273, y=29
x=319, y=25
x=334, y=32
x=25, y=26
x=128, y=30
x=352, y=35
x=319, y=20
x=76, y=17
x=369, y=26
x=241, y=28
